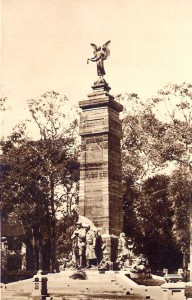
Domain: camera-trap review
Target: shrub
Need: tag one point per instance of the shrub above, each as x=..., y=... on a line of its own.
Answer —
x=11, y=276
x=79, y=275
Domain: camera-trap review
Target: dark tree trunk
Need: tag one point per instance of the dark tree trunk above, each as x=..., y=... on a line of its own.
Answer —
x=53, y=227
x=185, y=266
x=30, y=260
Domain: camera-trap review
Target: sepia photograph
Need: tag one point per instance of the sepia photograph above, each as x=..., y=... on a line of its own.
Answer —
x=96, y=149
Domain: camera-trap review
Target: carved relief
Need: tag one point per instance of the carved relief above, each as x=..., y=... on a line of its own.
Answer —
x=94, y=153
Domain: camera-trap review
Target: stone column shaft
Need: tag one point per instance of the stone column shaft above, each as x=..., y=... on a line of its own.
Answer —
x=100, y=197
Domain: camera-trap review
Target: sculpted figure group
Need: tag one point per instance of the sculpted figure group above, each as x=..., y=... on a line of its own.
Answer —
x=85, y=246
x=89, y=250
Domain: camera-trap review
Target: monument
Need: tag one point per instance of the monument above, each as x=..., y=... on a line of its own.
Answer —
x=100, y=197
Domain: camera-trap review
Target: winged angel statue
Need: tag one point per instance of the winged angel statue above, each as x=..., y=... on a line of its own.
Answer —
x=101, y=54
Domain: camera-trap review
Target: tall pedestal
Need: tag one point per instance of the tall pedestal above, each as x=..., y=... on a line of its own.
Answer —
x=100, y=172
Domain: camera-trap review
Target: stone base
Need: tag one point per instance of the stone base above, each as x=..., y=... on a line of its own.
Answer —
x=172, y=291
x=110, y=243
x=140, y=275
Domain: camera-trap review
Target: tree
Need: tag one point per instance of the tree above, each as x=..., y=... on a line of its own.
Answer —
x=22, y=195
x=130, y=197
x=175, y=104
x=3, y=100
x=48, y=112
x=65, y=229
x=142, y=132
x=154, y=212
x=175, y=101
x=46, y=172
x=157, y=133
x=180, y=195
x=4, y=108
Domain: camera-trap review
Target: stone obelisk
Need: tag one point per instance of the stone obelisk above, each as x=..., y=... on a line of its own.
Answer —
x=100, y=197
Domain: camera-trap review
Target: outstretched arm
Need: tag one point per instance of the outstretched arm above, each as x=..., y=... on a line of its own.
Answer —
x=95, y=58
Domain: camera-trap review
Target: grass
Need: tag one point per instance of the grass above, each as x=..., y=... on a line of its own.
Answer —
x=156, y=282
x=148, y=281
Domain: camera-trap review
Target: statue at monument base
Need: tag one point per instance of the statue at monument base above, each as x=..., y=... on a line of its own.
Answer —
x=79, y=246
x=125, y=254
x=89, y=248
x=87, y=245
x=140, y=268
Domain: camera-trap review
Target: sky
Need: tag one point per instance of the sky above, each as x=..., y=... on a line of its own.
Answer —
x=46, y=44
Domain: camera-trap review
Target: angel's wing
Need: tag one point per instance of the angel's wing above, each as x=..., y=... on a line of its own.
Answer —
x=94, y=47
x=106, y=44
x=106, y=49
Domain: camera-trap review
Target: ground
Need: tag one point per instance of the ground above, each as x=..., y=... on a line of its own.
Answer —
x=110, y=285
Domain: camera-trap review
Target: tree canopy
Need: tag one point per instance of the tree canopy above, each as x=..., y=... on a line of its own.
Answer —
x=157, y=139
x=40, y=176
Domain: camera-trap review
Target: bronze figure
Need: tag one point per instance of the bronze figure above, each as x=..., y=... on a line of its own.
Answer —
x=101, y=54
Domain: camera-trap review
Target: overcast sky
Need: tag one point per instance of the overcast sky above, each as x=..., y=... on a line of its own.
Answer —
x=46, y=44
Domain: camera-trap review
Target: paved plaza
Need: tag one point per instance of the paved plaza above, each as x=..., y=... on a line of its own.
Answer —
x=110, y=285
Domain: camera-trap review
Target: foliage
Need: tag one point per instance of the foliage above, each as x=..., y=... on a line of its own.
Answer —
x=157, y=131
x=148, y=281
x=80, y=274
x=175, y=100
x=180, y=195
x=130, y=198
x=3, y=100
x=39, y=176
x=175, y=104
x=65, y=228
x=155, y=219
x=11, y=276
x=158, y=138
x=142, y=132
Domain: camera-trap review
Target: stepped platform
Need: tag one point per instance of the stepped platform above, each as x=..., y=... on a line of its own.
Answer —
x=108, y=285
